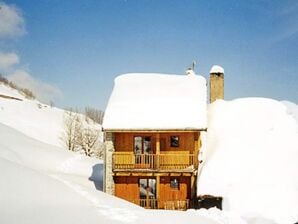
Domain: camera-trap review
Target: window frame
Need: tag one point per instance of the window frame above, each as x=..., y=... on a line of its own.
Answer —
x=143, y=140
x=175, y=186
x=174, y=143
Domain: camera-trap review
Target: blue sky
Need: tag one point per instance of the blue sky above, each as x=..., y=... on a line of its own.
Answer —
x=77, y=48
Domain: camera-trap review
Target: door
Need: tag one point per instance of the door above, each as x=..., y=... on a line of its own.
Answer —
x=143, y=151
x=147, y=188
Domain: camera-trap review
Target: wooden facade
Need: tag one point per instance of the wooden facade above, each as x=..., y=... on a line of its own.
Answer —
x=156, y=169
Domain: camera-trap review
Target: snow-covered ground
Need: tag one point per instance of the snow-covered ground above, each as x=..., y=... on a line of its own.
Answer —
x=33, y=118
x=43, y=183
x=252, y=159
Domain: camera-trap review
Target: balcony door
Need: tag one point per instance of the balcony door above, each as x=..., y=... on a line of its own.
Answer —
x=148, y=192
x=143, y=152
x=142, y=145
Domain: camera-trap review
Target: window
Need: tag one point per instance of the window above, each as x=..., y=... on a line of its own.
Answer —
x=142, y=145
x=174, y=141
x=174, y=183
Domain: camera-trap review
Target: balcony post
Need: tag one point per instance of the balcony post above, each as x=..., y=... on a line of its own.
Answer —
x=157, y=148
x=157, y=190
x=197, y=138
x=192, y=188
x=157, y=167
x=157, y=143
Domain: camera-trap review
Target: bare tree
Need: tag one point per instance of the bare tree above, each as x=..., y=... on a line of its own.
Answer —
x=72, y=129
x=99, y=150
x=82, y=135
x=94, y=114
x=88, y=140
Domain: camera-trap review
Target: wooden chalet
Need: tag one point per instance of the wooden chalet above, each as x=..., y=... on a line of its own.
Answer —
x=153, y=126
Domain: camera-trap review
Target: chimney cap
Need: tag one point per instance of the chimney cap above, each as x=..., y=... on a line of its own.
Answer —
x=217, y=69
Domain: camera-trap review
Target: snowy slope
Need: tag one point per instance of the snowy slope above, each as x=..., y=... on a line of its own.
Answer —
x=252, y=159
x=37, y=120
x=41, y=183
x=44, y=184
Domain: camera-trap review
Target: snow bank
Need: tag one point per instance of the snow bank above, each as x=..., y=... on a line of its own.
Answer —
x=41, y=183
x=252, y=159
x=157, y=102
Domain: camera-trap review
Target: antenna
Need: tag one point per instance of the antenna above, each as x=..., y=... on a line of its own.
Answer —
x=193, y=65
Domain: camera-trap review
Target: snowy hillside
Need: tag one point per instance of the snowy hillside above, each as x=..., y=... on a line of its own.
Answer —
x=252, y=159
x=37, y=120
x=41, y=183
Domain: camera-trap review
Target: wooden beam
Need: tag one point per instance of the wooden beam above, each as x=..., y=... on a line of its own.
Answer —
x=175, y=174
x=192, y=186
x=157, y=143
x=157, y=187
x=150, y=130
x=197, y=148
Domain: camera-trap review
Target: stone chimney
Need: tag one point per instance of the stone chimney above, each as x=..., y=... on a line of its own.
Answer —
x=216, y=83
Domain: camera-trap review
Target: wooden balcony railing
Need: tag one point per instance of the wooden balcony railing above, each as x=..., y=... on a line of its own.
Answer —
x=158, y=204
x=128, y=161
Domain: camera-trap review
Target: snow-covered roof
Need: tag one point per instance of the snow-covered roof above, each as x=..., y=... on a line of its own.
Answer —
x=217, y=69
x=150, y=101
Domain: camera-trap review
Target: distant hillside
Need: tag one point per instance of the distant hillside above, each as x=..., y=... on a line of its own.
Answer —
x=35, y=119
x=27, y=93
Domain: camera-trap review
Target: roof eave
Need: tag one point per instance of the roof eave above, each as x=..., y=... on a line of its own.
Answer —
x=155, y=130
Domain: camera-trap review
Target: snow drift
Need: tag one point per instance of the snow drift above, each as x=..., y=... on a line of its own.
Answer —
x=43, y=183
x=252, y=159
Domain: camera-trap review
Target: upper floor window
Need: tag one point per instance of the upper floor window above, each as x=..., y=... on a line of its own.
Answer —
x=142, y=145
x=174, y=141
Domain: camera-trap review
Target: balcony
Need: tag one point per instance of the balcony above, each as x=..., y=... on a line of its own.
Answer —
x=154, y=162
x=158, y=204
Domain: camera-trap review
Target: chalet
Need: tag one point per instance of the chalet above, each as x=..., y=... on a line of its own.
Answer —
x=153, y=128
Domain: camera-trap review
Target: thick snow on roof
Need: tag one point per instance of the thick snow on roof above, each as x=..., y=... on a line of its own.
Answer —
x=252, y=159
x=151, y=101
x=217, y=69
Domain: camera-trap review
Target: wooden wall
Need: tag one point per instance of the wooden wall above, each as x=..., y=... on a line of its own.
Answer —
x=188, y=141
x=169, y=194
x=127, y=187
